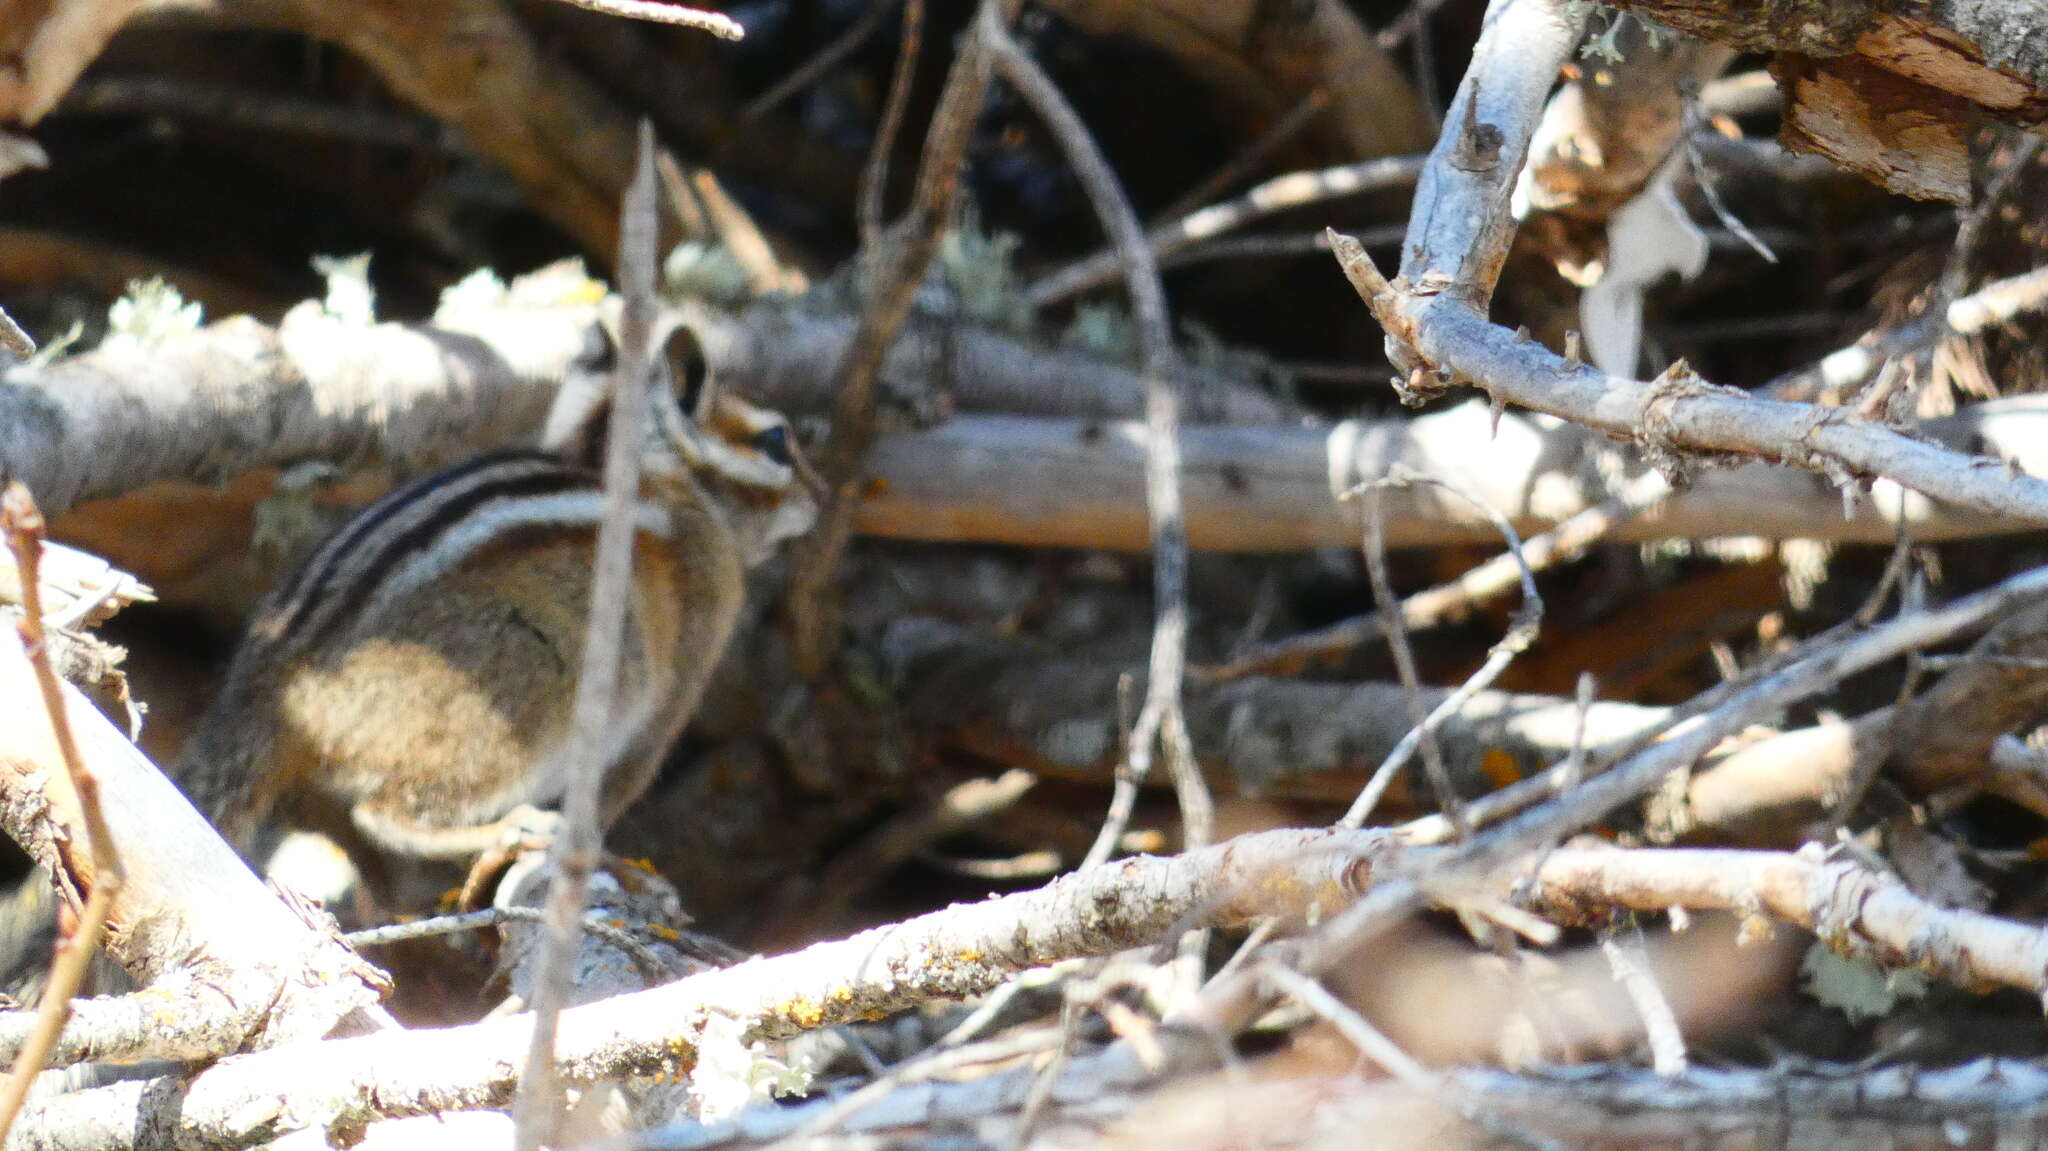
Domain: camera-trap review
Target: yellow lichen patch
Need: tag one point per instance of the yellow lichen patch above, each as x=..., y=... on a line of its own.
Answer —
x=969, y=956
x=1499, y=767
x=664, y=932
x=804, y=1013
x=588, y=292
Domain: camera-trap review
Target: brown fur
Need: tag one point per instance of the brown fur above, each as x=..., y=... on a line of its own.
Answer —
x=416, y=729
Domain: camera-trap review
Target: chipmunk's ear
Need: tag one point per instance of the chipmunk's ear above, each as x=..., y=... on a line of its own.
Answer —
x=575, y=427
x=688, y=371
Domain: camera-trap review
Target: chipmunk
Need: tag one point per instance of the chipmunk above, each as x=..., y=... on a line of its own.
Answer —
x=406, y=689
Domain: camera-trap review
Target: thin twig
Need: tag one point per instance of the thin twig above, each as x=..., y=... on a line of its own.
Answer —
x=1628, y=960
x=1376, y=1046
x=575, y=851
x=1284, y=128
x=855, y=871
x=646, y=958
x=22, y=523
x=1575, y=763
x=717, y=23
x=699, y=194
x=1971, y=222
x=890, y=272
x=993, y=1004
x=1403, y=26
x=820, y=62
x=1703, y=175
x=1048, y=1076
x=1161, y=719
x=1912, y=596
x=1488, y=854
x=1292, y=190
x=263, y=110
x=1262, y=247
x=1411, y=691
x=874, y=176
x=17, y=342
x=1424, y=54
x=1522, y=631
x=929, y=1065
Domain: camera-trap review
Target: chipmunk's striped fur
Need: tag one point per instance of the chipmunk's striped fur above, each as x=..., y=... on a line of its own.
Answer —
x=406, y=688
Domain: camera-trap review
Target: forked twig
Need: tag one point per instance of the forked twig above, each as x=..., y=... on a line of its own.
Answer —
x=1522, y=631
x=874, y=175
x=890, y=272
x=22, y=523
x=1420, y=733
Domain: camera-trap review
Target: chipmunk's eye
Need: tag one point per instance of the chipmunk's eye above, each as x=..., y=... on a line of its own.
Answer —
x=774, y=443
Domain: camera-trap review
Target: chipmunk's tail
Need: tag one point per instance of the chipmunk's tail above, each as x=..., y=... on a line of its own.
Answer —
x=219, y=780
x=28, y=935
x=28, y=940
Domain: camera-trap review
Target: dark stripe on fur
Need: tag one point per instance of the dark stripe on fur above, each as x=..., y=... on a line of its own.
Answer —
x=536, y=473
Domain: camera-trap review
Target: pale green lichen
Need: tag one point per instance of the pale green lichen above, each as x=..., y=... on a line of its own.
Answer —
x=732, y=1073
x=1857, y=987
x=349, y=298
x=1103, y=330
x=706, y=272
x=981, y=269
x=292, y=516
x=151, y=312
x=478, y=291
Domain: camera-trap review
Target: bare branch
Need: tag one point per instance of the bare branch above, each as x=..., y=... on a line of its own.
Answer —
x=1459, y=231
x=1057, y=483
x=22, y=525
x=1850, y=907
x=232, y=966
x=1001, y=701
x=1678, y=412
x=954, y=953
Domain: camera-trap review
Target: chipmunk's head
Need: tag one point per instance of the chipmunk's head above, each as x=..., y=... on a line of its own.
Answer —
x=697, y=435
